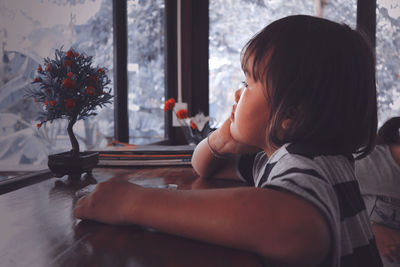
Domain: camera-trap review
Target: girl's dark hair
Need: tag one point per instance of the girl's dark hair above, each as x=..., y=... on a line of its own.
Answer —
x=321, y=75
x=389, y=132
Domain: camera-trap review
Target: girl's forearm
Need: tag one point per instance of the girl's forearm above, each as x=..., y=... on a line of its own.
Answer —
x=206, y=164
x=216, y=215
x=234, y=217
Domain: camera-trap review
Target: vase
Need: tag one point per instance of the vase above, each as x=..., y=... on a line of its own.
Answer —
x=64, y=164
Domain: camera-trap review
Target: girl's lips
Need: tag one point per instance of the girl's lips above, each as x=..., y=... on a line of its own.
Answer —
x=233, y=112
x=234, y=107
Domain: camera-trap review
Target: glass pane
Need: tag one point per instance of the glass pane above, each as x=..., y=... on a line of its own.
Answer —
x=230, y=29
x=387, y=58
x=146, y=70
x=342, y=11
x=30, y=31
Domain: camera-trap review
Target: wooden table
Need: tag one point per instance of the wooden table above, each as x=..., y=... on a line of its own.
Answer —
x=37, y=227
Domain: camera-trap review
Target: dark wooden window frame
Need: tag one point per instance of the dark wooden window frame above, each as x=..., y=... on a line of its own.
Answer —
x=194, y=42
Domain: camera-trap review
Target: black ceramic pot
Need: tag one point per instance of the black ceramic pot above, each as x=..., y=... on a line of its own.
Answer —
x=63, y=164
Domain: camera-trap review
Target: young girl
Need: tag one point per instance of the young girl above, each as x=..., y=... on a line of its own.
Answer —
x=308, y=104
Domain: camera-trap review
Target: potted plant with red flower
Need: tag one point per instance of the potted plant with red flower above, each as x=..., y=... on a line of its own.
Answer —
x=70, y=87
x=194, y=128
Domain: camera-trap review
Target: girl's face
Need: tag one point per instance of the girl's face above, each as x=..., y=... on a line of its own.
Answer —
x=249, y=117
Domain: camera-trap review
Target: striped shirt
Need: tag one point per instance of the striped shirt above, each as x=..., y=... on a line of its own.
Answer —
x=325, y=178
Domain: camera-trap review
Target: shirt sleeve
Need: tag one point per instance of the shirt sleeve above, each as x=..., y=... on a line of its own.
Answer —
x=245, y=167
x=301, y=177
x=310, y=186
x=329, y=184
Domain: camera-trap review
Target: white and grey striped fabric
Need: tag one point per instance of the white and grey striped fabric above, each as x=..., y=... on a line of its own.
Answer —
x=379, y=177
x=324, y=177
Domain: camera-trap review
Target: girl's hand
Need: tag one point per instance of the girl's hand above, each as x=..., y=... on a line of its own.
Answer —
x=222, y=141
x=214, y=156
x=110, y=202
x=388, y=242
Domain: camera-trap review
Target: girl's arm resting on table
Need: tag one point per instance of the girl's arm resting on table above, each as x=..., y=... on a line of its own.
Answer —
x=277, y=225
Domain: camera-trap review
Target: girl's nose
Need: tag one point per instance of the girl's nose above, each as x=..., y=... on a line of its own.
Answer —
x=238, y=93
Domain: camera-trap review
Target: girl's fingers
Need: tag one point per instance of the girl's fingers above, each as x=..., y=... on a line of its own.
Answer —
x=79, y=212
x=81, y=201
x=81, y=208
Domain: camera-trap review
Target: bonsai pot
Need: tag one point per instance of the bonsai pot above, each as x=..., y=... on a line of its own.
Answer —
x=64, y=164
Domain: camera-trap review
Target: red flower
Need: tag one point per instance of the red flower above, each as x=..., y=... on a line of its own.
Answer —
x=90, y=90
x=76, y=54
x=38, y=125
x=48, y=68
x=182, y=114
x=39, y=68
x=70, y=74
x=69, y=103
x=169, y=104
x=52, y=102
x=69, y=54
x=68, y=63
x=193, y=125
x=68, y=83
x=36, y=79
x=46, y=103
x=99, y=70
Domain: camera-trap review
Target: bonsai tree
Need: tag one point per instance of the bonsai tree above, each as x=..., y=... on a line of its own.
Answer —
x=69, y=87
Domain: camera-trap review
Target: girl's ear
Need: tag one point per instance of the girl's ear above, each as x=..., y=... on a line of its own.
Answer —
x=286, y=124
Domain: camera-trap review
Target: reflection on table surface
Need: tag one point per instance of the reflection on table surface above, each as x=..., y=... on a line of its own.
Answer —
x=38, y=228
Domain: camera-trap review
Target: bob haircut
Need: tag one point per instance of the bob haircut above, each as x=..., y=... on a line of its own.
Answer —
x=321, y=75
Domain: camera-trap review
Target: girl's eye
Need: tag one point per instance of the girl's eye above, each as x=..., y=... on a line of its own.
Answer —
x=244, y=83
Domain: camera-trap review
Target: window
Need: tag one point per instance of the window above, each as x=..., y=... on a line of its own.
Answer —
x=146, y=70
x=387, y=58
x=342, y=11
x=30, y=31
